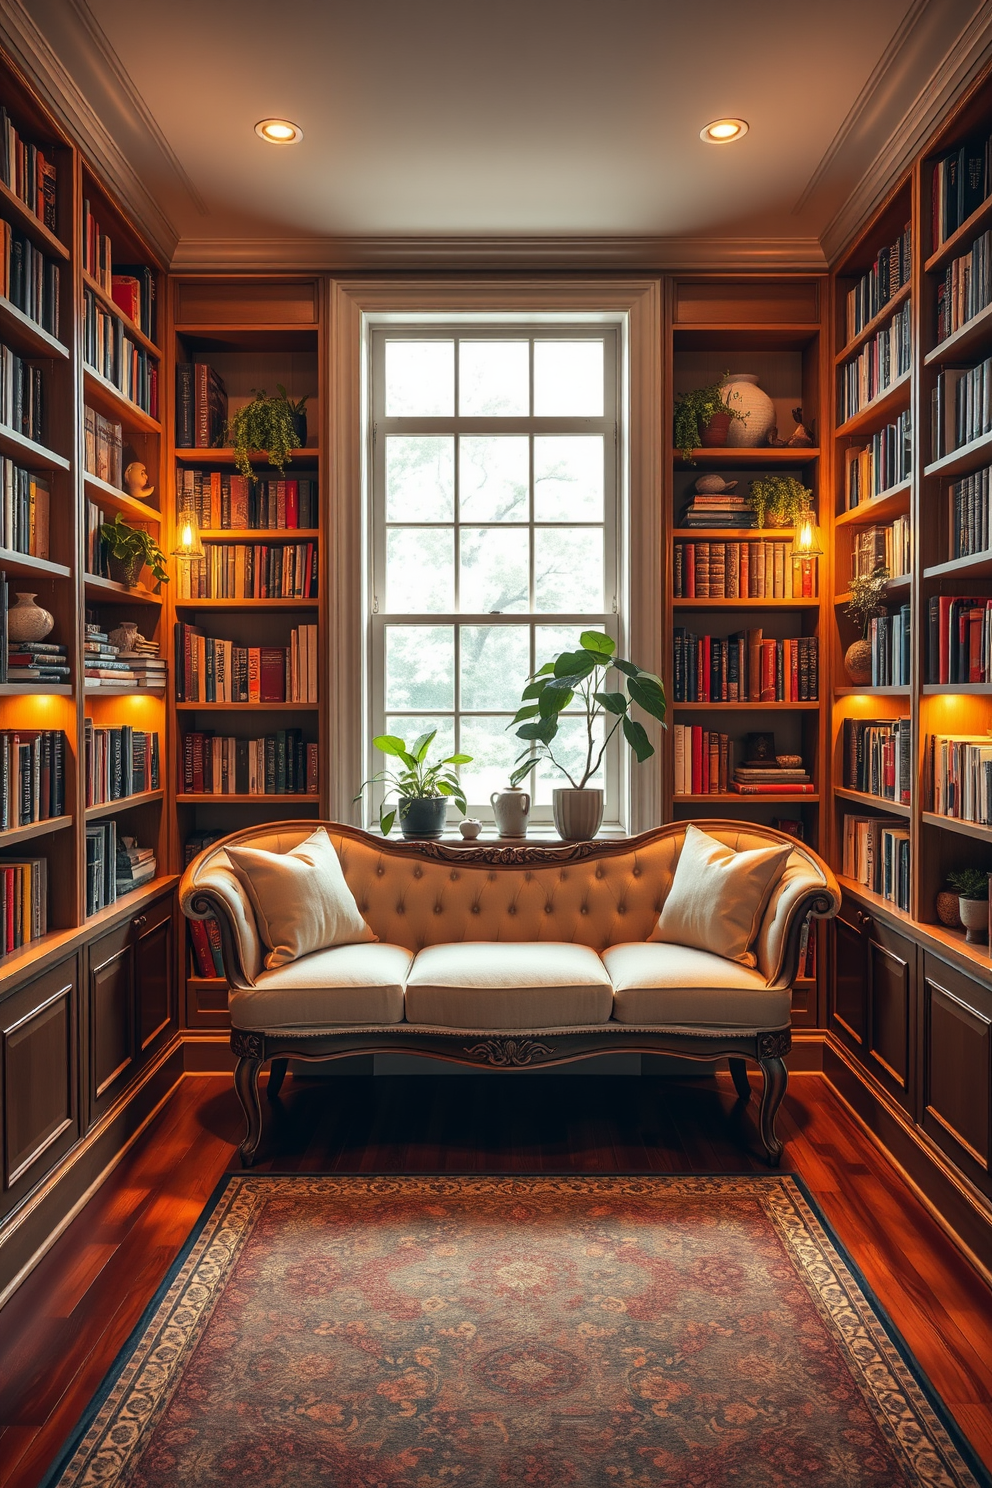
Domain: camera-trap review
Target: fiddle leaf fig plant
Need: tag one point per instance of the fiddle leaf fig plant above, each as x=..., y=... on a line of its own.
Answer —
x=582, y=674
x=267, y=424
x=418, y=777
x=133, y=548
x=693, y=411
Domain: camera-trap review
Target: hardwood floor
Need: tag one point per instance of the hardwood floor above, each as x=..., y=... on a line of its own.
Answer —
x=60, y=1332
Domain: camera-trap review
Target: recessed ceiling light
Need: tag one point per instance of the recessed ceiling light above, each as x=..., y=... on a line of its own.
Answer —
x=722, y=131
x=279, y=131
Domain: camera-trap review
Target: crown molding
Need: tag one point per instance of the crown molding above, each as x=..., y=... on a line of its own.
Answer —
x=87, y=121
x=468, y=254
x=908, y=67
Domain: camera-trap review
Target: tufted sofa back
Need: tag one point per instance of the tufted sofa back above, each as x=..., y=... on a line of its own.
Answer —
x=421, y=894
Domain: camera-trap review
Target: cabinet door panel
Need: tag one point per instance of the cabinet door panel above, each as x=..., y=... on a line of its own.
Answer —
x=40, y=1105
x=957, y=1066
x=892, y=961
x=154, y=979
x=111, y=1009
x=849, y=979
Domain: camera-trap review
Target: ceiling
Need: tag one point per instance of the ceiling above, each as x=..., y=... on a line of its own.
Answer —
x=454, y=118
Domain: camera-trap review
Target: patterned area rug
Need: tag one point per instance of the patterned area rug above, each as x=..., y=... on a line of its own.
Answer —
x=461, y=1332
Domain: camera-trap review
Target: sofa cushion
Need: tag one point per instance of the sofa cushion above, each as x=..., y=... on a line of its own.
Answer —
x=300, y=898
x=718, y=896
x=355, y=984
x=678, y=986
x=507, y=984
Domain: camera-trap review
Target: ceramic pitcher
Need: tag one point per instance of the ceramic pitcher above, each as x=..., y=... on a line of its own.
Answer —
x=511, y=809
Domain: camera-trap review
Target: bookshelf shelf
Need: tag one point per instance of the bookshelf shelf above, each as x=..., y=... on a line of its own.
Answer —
x=877, y=803
x=726, y=455
x=309, y=454
x=246, y=604
x=738, y=798
x=127, y=903
x=746, y=707
x=111, y=305
x=960, y=240
x=975, y=566
x=955, y=824
x=884, y=906
x=746, y=604
x=953, y=689
x=246, y=707
x=13, y=835
x=259, y=534
x=879, y=409
x=111, y=401
x=896, y=588
x=35, y=689
x=123, y=803
x=199, y=798
x=26, y=335
x=882, y=508
x=108, y=591
x=966, y=457
x=32, y=456
x=105, y=494
x=964, y=341
x=26, y=222
x=871, y=692
x=873, y=325
x=129, y=689
x=23, y=563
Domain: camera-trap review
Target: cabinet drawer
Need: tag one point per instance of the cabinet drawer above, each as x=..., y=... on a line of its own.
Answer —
x=891, y=1027
x=849, y=976
x=39, y=1093
x=957, y=1067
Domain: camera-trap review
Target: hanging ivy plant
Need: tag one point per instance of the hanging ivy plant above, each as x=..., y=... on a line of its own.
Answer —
x=267, y=424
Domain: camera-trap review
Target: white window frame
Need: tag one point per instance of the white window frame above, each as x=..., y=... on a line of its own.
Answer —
x=545, y=326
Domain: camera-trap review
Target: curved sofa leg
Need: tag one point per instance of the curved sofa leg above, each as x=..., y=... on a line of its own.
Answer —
x=277, y=1073
x=776, y=1079
x=246, y=1083
x=738, y=1073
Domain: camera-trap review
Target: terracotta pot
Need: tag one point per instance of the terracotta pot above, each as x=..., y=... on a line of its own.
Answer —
x=946, y=906
x=857, y=663
x=975, y=919
x=578, y=813
x=714, y=436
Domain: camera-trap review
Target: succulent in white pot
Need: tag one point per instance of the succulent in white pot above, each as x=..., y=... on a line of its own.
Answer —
x=972, y=885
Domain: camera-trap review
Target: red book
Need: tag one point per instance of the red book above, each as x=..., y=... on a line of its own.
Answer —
x=313, y=783
x=689, y=583
x=944, y=637
x=187, y=781
x=9, y=894
x=253, y=674
x=697, y=759
x=785, y=789
x=976, y=624
x=271, y=674
x=216, y=949
x=704, y=693
x=292, y=503
x=201, y=948
x=126, y=292
x=768, y=669
x=239, y=503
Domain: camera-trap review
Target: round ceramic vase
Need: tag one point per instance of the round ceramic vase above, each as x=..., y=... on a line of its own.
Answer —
x=975, y=919
x=27, y=621
x=857, y=663
x=744, y=396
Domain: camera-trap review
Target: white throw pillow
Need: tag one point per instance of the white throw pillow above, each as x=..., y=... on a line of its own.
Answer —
x=300, y=898
x=718, y=896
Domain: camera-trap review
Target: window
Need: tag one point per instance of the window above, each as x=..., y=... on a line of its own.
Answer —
x=493, y=534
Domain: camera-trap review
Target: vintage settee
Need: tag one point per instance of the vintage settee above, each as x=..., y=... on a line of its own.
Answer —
x=511, y=958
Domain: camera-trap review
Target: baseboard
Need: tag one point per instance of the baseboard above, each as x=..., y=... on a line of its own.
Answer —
x=958, y=1207
x=33, y=1229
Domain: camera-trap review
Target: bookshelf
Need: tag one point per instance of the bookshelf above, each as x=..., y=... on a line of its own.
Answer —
x=772, y=327
x=255, y=332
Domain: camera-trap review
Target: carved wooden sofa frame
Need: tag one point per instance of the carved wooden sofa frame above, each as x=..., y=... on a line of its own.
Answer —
x=206, y=890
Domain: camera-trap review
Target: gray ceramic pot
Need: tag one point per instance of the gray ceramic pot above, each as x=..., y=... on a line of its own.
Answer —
x=578, y=813
x=422, y=816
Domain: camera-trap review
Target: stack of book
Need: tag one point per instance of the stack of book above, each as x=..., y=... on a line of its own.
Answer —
x=130, y=286
x=135, y=865
x=24, y=510
x=29, y=280
x=101, y=865
x=201, y=406
x=719, y=509
x=27, y=171
x=876, y=854
x=960, y=406
x=889, y=545
x=280, y=764
x=228, y=502
x=703, y=760
x=216, y=671
x=884, y=279
x=109, y=349
x=771, y=779
x=742, y=570
x=885, y=460
x=880, y=362
x=32, y=776
x=970, y=514
x=20, y=395
x=118, y=762
x=959, y=639
x=23, y=901
x=878, y=757
x=144, y=660
x=889, y=636
x=103, y=448
x=966, y=287
x=744, y=667
x=102, y=663
x=961, y=182
x=35, y=663
x=957, y=775
x=251, y=571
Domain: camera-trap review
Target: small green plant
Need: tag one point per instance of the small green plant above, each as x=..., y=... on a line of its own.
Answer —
x=867, y=596
x=970, y=883
x=267, y=424
x=418, y=778
x=133, y=548
x=693, y=411
x=780, y=496
x=579, y=673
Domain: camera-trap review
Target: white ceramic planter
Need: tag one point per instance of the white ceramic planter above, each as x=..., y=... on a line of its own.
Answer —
x=578, y=813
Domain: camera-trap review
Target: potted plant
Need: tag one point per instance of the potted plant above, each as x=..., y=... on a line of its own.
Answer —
x=779, y=500
x=702, y=418
x=129, y=549
x=867, y=595
x=578, y=808
x=276, y=425
x=423, y=788
x=972, y=885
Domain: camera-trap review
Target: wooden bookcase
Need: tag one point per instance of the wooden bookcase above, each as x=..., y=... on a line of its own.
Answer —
x=771, y=326
x=255, y=332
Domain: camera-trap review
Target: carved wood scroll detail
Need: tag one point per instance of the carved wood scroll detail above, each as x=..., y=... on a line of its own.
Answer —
x=774, y=1045
x=508, y=1053
x=247, y=1045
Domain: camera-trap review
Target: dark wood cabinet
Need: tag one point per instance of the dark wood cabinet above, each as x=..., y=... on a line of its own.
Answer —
x=131, y=999
x=849, y=975
x=39, y=1087
x=957, y=1067
x=873, y=996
